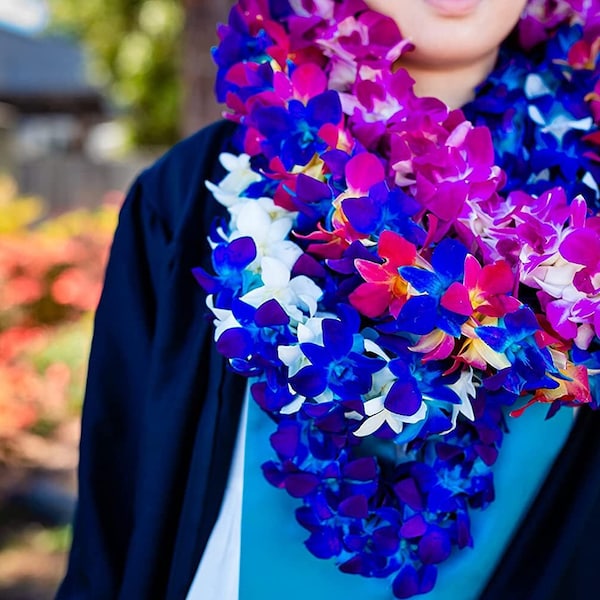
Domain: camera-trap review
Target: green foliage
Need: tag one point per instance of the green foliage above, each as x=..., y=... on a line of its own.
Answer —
x=55, y=539
x=134, y=46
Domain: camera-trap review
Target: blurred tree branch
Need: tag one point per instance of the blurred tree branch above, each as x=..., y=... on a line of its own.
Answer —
x=201, y=17
x=153, y=56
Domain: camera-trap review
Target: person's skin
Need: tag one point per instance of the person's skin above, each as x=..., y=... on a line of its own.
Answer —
x=456, y=41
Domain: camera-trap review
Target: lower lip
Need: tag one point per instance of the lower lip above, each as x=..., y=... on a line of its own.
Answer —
x=453, y=8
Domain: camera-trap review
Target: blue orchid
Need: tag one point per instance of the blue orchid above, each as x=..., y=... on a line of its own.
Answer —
x=339, y=364
x=292, y=133
x=229, y=261
x=382, y=209
x=422, y=314
x=313, y=199
x=252, y=345
x=238, y=44
x=530, y=364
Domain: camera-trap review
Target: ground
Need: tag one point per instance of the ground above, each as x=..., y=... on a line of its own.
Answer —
x=37, y=497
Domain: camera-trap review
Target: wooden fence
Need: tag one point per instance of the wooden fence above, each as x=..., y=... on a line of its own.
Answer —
x=73, y=181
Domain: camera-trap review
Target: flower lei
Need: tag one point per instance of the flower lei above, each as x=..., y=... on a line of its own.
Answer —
x=394, y=275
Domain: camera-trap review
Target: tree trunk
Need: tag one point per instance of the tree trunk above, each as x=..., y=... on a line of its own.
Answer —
x=199, y=35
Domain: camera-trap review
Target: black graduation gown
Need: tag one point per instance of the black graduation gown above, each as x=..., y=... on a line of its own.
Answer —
x=161, y=412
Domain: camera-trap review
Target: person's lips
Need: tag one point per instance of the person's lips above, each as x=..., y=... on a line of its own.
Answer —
x=454, y=8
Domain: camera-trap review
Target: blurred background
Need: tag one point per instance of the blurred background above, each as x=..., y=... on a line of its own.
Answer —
x=90, y=93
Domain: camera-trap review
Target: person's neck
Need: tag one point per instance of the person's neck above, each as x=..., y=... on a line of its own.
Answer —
x=453, y=85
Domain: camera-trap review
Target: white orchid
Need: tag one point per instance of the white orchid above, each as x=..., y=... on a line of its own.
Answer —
x=297, y=296
x=378, y=415
x=374, y=406
x=559, y=125
x=269, y=234
x=292, y=356
x=266, y=204
x=555, y=276
x=224, y=318
x=295, y=360
x=464, y=388
x=237, y=181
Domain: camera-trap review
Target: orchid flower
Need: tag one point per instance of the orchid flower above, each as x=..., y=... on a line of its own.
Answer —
x=384, y=288
x=298, y=296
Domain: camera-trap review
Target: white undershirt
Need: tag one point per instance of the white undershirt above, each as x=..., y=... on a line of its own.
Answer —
x=218, y=574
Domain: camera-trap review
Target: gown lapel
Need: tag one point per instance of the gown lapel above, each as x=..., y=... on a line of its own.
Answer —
x=553, y=554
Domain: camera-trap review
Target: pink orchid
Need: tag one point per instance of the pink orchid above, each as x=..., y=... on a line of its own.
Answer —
x=574, y=388
x=326, y=244
x=374, y=100
x=306, y=82
x=484, y=289
x=461, y=170
x=416, y=132
x=562, y=261
x=542, y=16
x=584, y=54
x=436, y=345
x=367, y=39
x=529, y=237
x=384, y=288
x=475, y=352
x=362, y=172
